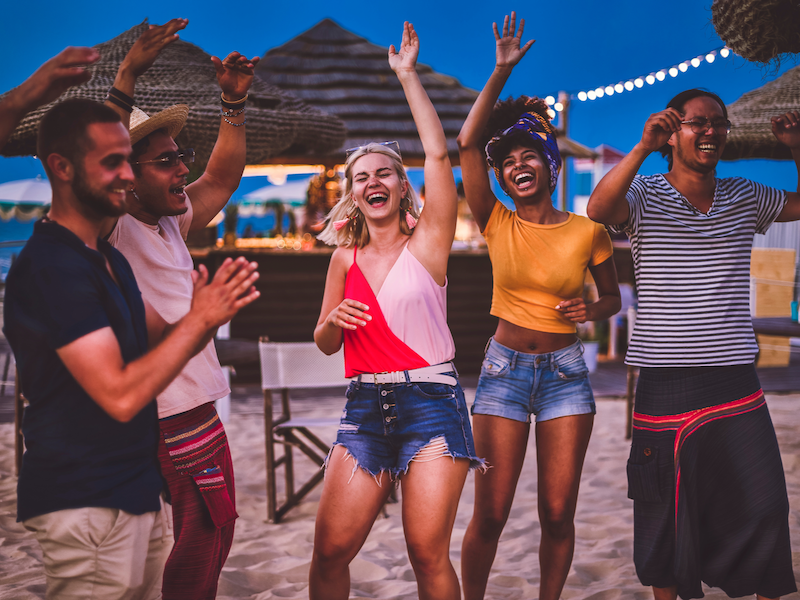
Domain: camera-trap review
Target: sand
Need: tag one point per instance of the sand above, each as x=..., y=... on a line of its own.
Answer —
x=271, y=561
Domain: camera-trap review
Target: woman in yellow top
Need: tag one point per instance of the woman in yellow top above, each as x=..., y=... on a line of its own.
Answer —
x=534, y=362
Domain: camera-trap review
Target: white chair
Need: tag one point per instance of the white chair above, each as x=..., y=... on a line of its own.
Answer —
x=286, y=366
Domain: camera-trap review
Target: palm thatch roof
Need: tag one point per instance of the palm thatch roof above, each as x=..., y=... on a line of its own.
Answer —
x=344, y=74
x=183, y=74
x=751, y=131
x=758, y=30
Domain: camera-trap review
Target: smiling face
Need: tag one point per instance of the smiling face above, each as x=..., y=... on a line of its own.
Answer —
x=376, y=187
x=160, y=188
x=102, y=176
x=525, y=173
x=699, y=151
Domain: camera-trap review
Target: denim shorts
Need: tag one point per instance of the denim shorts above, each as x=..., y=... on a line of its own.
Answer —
x=515, y=384
x=384, y=426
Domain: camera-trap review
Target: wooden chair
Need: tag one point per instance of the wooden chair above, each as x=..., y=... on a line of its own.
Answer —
x=284, y=367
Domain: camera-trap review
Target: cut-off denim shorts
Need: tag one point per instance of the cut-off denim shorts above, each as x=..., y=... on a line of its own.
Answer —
x=515, y=384
x=384, y=426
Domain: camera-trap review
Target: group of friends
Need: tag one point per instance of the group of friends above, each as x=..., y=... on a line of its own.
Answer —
x=105, y=313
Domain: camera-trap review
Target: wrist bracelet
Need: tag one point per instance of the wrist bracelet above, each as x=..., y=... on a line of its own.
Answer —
x=121, y=99
x=232, y=104
x=231, y=112
x=234, y=124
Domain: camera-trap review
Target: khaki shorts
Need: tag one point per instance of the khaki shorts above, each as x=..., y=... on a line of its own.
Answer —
x=103, y=553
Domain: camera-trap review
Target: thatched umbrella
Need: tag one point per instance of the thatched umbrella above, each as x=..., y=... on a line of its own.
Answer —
x=276, y=121
x=346, y=75
x=751, y=131
x=758, y=30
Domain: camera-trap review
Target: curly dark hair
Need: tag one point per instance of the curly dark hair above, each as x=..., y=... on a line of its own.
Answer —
x=506, y=112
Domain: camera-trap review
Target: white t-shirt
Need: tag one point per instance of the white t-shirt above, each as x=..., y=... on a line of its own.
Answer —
x=163, y=269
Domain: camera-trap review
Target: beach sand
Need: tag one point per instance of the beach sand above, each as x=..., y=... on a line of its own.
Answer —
x=271, y=561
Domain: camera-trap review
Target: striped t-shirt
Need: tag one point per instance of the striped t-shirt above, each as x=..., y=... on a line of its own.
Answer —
x=693, y=271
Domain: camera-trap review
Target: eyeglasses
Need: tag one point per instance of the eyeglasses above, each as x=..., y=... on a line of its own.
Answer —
x=392, y=145
x=702, y=125
x=170, y=161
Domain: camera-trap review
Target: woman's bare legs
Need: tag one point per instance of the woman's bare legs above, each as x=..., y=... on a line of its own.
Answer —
x=560, y=449
x=431, y=491
x=349, y=505
x=503, y=443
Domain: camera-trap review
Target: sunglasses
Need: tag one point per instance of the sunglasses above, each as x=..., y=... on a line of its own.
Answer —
x=391, y=145
x=171, y=159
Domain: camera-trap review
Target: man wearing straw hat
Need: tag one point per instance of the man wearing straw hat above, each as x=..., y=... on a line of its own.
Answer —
x=705, y=472
x=89, y=486
x=194, y=454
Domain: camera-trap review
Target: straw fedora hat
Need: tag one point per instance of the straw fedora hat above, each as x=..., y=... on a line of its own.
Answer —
x=172, y=119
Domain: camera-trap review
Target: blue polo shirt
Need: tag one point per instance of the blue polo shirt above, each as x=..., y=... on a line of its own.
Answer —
x=57, y=291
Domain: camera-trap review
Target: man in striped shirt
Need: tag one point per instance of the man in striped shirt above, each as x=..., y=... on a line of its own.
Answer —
x=705, y=475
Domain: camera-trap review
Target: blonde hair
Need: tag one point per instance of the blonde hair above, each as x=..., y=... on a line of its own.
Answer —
x=355, y=232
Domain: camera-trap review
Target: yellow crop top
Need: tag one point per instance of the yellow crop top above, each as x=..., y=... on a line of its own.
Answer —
x=537, y=266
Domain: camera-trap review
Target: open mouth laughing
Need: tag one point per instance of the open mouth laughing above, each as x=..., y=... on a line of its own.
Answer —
x=523, y=181
x=377, y=198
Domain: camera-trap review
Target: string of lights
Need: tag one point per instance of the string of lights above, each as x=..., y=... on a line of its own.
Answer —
x=639, y=82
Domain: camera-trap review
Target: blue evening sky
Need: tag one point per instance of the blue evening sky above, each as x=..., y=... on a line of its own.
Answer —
x=581, y=44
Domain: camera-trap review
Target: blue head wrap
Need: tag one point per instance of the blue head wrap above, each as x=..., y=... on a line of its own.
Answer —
x=538, y=130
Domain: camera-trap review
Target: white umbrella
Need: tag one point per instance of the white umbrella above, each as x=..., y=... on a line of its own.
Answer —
x=24, y=199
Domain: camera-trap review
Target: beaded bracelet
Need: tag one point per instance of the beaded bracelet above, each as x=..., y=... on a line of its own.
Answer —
x=231, y=113
x=235, y=124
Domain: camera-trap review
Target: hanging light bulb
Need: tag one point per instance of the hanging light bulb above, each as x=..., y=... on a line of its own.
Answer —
x=591, y=95
x=551, y=113
x=650, y=79
x=550, y=100
x=661, y=75
x=710, y=57
x=638, y=82
x=599, y=92
x=695, y=62
x=582, y=96
x=673, y=72
x=558, y=106
x=609, y=90
x=724, y=52
x=684, y=66
x=618, y=88
x=629, y=85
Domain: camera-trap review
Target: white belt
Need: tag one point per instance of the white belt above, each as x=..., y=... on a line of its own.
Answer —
x=432, y=374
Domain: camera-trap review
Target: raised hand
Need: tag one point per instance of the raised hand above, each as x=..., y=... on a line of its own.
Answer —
x=406, y=59
x=786, y=128
x=659, y=127
x=349, y=314
x=146, y=49
x=53, y=78
x=235, y=74
x=509, y=52
x=231, y=289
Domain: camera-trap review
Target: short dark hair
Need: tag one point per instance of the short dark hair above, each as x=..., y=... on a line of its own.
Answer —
x=62, y=130
x=678, y=102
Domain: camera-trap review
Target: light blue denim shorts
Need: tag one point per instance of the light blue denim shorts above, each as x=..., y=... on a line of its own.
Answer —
x=515, y=384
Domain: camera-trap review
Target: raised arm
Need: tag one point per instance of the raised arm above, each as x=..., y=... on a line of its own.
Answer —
x=437, y=225
x=226, y=164
x=474, y=173
x=48, y=82
x=607, y=204
x=787, y=129
x=122, y=390
x=139, y=59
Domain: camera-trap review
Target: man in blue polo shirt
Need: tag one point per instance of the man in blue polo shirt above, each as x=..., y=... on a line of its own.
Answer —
x=89, y=486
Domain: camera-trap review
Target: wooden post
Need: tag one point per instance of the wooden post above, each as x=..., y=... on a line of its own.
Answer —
x=563, y=122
